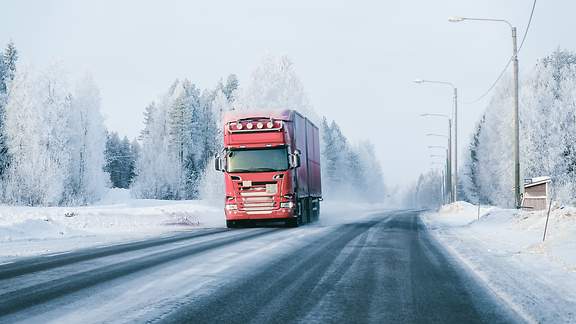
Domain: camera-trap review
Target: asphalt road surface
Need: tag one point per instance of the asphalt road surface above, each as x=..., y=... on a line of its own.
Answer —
x=382, y=269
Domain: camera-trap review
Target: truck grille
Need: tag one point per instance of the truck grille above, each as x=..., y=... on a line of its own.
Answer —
x=259, y=197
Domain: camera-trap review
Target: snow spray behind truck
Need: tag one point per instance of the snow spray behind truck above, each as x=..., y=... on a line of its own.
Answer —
x=271, y=165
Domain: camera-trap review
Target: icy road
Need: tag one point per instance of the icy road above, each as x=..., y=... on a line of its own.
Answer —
x=381, y=269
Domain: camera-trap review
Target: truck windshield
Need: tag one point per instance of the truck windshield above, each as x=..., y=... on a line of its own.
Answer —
x=258, y=160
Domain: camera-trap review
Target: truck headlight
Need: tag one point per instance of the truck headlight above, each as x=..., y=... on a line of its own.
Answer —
x=232, y=207
x=288, y=204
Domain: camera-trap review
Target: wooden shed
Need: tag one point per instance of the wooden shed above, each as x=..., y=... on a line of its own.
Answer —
x=536, y=193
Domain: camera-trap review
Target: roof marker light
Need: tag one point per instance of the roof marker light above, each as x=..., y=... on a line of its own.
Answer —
x=270, y=124
x=249, y=126
x=238, y=125
x=259, y=125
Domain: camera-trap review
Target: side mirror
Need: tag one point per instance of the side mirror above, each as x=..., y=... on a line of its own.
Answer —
x=218, y=165
x=295, y=159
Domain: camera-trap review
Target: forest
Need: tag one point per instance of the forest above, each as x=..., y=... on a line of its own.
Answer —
x=55, y=149
x=547, y=100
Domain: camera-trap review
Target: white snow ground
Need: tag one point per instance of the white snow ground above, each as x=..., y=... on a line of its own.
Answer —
x=28, y=231
x=505, y=249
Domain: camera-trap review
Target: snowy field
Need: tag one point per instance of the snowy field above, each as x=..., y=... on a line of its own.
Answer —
x=26, y=231
x=505, y=249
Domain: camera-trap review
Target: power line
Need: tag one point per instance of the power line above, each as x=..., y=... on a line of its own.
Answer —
x=493, y=84
x=527, y=27
x=509, y=60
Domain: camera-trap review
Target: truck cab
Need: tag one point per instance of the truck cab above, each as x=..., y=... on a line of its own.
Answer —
x=271, y=166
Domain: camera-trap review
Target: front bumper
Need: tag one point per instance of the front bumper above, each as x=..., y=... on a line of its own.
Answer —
x=280, y=213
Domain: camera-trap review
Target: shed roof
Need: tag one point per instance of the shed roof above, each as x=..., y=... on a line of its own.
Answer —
x=536, y=181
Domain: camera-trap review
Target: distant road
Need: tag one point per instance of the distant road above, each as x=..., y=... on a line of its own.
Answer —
x=381, y=269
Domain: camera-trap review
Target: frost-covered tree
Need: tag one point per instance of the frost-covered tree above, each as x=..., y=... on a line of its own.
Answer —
x=120, y=160
x=157, y=170
x=212, y=183
x=274, y=85
x=547, y=139
x=35, y=117
x=86, y=142
x=470, y=180
x=230, y=88
x=348, y=171
x=8, y=60
x=55, y=139
x=182, y=127
x=372, y=186
x=426, y=192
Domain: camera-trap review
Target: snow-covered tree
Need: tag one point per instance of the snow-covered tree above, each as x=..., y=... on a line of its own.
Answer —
x=274, y=85
x=230, y=88
x=8, y=60
x=121, y=157
x=547, y=134
x=157, y=170
x=55, y=138
x=426, y=192
x=212, y=184
x=182, y=127
x=348, y=171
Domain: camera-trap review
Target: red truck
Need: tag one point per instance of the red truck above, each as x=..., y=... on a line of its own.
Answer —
x=271, y=165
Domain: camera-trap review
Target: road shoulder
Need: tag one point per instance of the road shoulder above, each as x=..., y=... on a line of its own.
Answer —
x=526, y=279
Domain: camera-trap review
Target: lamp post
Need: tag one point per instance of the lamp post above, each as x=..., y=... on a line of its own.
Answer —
x=449, y=186
x=516, y=121
x=455, y=114
x=444, y=184
x=453, y=176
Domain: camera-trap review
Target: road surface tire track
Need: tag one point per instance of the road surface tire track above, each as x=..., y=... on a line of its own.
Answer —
x=36, y=264
x=299, y=271
x=379, y=271
x=18, y=300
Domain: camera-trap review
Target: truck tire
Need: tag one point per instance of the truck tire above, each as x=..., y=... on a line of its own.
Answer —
x=315, y=210
x=231, y=224
x=293, y=222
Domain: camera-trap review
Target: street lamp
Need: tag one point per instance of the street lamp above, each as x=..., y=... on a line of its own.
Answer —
x=450, y=172
x=516, y=122
x=449, y=186
x=445, y=185
x=455, y=91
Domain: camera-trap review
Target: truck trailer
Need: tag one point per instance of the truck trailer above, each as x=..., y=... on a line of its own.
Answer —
x=271, y=166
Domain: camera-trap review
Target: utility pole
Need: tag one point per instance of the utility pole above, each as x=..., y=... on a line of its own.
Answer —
x=453, y=174
x=448, y=155
x=450, y=176
x=516, y=120
x=455, y=198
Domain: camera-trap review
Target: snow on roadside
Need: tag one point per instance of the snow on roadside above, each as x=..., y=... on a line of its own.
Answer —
x=32, y=230
x=27, y=231
x=505, y=249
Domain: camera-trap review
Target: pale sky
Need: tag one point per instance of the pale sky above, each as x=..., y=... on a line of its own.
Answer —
x=356, y=59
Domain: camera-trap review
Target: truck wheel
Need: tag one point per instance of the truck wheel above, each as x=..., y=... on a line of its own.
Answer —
x=293, y=222
x=305, y=208
x=231, y=224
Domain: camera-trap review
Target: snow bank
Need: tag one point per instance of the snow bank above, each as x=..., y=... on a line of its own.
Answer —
x=505, y=248
x=26, y=231
x=116, y=213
